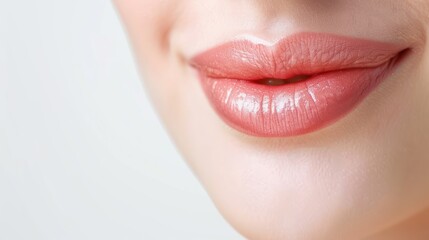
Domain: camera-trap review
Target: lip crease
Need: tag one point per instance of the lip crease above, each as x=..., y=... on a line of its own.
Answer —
x=300, y=84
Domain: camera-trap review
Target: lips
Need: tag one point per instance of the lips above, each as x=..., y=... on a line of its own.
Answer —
x=298, y=85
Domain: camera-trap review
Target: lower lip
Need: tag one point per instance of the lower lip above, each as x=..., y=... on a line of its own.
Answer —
x=296, y=108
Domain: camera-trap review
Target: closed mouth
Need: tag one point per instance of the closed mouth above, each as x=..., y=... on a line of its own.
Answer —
x=298, y=85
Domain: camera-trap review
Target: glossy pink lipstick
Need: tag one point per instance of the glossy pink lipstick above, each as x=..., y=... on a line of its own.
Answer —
x=298, y=85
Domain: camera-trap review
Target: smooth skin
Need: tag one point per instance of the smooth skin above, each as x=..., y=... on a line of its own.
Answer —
x=364, y=177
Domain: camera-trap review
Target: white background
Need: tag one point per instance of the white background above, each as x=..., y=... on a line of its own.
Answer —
x=82, y=155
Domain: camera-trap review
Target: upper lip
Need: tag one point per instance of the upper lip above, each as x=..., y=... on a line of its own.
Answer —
x=291, y=57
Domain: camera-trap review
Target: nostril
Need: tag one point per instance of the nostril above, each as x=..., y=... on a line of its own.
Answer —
x=279, y=82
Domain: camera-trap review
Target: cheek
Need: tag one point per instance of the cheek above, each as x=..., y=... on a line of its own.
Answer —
x=148, y=24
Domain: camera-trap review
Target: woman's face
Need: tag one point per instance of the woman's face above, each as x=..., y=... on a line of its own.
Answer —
x=233, y=83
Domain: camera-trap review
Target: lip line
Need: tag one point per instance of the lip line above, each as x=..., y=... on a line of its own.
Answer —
x=393, y=62
x=395, y=59
x=380, y=54
x=308, y=75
